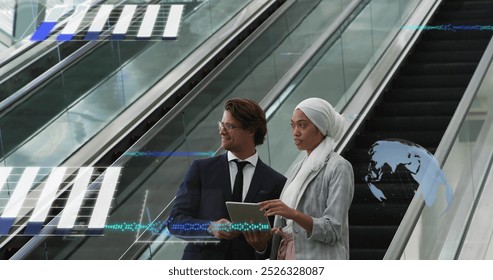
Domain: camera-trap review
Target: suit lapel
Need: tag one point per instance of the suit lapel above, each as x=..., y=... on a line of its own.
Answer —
x=310, y=177
x=257, y=182
x=225, y=177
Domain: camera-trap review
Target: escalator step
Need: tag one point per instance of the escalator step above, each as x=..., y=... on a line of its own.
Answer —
x=376, y=214
x=395, y=193
x=458, y=36
x=429, y=69
x=447, y=57
x=395, y=109
x=433, y=81
x=409, y=123
x=425, y=94
x=451, y=45
x=365, y=237
x=422, y=138
x=361, y=155
x=366, y=254
x=466, y=5
x=464, y=14
x=362, y=194
x=460, y=23
x=361, y=172
x=361, y=160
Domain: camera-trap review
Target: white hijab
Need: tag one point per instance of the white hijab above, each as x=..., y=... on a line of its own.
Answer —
x=331, y=124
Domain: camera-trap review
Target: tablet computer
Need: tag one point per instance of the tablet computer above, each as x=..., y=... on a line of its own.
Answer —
x=245, y=216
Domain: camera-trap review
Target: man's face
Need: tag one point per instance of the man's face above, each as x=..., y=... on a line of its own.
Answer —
x=234, y=137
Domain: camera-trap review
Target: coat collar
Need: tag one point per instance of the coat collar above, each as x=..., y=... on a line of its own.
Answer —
x=224, y=175
x=256, y=183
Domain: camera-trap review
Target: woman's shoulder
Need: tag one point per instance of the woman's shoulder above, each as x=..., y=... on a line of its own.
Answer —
x=337, y=162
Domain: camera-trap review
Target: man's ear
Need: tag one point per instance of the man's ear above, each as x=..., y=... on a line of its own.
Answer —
x=251, y=131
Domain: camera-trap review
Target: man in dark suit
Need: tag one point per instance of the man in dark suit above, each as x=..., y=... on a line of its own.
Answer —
x=199, y=209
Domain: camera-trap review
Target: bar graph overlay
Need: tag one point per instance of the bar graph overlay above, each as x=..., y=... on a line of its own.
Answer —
x=114, y=22
x=78, y=199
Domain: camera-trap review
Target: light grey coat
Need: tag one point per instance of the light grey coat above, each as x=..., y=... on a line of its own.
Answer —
x=327, y=196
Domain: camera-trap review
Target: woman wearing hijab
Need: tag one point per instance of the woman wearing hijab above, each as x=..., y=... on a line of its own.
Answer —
x=312, y=213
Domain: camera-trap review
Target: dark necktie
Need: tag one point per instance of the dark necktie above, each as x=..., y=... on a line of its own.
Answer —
x=238, y=185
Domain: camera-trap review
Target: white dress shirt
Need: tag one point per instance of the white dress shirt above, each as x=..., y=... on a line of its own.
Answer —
x=248, y=171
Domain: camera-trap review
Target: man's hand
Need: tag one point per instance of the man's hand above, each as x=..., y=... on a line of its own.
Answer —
x=258, y=239
x=221, y=229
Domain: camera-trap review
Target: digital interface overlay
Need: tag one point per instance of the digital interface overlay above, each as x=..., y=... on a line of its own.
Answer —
x=56, y=201
x=112, y=22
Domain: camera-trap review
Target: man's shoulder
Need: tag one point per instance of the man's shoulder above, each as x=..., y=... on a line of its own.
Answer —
x=209, y=161
x=266, y=169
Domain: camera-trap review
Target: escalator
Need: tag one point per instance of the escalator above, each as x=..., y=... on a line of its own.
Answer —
x=102, y=86
x=151, y=178
x=416, y=106
x=190, y=128
x=281, y=29
x=26, y=60
x=102, y=67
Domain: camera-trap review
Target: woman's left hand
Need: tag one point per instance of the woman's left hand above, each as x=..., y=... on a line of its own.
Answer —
x=277, y=207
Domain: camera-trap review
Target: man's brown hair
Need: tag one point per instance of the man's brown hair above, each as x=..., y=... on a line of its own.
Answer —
x=250, y=115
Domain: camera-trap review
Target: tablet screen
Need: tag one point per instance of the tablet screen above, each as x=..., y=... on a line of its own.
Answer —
x=247, y=216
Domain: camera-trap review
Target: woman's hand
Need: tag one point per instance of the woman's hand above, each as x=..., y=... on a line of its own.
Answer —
x=277, y=207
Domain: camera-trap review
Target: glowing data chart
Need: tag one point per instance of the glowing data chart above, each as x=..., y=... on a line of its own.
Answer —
x=4, y=174
x=47, y=26
x=103, y=202
x=71, y=28
x=74, y=202
x=161, y=20
x=17, y=199
x=98, y=23
x=45, y=201
x=33, y=188
x=173, y=22
x=124, y=21
x=147, y=26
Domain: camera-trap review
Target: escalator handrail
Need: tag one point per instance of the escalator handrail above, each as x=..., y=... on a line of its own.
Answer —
x=24, y=48
x=5, y=36
x=338, y=24
x=24, y=92
x=410, y=219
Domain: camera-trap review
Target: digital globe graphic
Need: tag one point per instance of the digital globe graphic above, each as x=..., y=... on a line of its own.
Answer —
x=386, y=156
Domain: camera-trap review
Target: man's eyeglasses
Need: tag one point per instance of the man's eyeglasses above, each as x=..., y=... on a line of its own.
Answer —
x=226, y=126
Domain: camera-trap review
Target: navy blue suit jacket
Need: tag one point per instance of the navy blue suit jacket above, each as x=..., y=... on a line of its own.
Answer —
x=201, y=199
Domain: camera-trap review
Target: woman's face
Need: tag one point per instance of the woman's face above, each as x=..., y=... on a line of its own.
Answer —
x=306, y=135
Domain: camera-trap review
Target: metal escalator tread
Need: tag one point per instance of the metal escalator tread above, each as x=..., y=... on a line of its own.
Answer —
x=416, y=106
